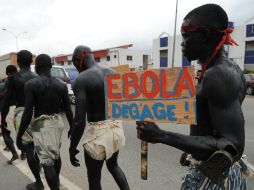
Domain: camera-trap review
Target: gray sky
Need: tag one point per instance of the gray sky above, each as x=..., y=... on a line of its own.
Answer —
x=58, y=26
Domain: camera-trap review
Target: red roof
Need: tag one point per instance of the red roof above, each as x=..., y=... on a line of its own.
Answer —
x=104, y=52
x=100, y=53
x=61, y=59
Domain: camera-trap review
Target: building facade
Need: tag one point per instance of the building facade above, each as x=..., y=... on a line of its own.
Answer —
x=115, y=56
x=162, y=52
x=243, y=54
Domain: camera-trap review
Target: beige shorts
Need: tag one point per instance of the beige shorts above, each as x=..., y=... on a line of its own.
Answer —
x=103, y=139
x=10, y=119
x=47, y=132
x=27, y=136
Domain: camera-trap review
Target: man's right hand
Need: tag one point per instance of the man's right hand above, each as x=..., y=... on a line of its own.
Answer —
x=183, y=160
x=148, y=131
x=73, y=159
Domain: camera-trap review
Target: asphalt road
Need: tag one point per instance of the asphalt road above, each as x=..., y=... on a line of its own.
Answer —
x=164, y=170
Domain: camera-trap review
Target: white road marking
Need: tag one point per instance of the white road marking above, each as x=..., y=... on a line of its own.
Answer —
x=23, y=167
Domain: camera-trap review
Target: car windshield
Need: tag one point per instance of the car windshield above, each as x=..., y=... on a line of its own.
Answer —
x=72, y=73
x=249, y=77
x=57, y=72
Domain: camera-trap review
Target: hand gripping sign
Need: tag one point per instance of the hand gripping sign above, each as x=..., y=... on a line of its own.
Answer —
x=160, y=95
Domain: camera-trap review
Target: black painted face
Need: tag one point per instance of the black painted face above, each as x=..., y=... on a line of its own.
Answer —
x=192, y=43
x=76, y=62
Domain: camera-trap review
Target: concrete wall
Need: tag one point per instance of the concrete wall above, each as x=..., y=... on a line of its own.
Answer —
x=237, y=52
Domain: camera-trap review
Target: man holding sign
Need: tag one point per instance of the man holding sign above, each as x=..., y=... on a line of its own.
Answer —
x=216, y=142
x=103, y=138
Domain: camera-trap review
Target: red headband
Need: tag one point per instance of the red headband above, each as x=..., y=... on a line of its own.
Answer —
x=226, y=39
x=81, y=56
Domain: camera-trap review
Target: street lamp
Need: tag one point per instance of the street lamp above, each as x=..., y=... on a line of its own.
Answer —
x=14, y=35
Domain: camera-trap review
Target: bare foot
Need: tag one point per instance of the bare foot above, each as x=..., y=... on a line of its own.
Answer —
x=12, y=159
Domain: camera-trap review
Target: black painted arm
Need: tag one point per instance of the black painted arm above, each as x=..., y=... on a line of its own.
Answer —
x=28, y=112
x=80, y=114
x=67, y=109
x=226, y=116
x=8, y=96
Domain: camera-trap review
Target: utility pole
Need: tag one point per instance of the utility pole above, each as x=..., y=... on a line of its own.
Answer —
x=173, y=52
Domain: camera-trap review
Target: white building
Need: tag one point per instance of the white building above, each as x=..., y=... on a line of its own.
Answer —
x=162, y=51
x=121, y=55
x=243, y=54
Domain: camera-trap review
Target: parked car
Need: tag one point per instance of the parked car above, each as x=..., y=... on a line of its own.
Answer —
x=249, y=83
x=60, y=73
x=72, y=73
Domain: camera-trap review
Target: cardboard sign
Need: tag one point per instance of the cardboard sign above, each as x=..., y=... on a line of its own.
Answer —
x=121, y=68
x=165, y=95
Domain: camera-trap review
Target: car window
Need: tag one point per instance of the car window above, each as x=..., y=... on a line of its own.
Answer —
x=57, y=72
x=251, y=76
x=247, y=77
x=72, y=73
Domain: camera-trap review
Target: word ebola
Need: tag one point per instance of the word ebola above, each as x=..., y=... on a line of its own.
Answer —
x=134, y=85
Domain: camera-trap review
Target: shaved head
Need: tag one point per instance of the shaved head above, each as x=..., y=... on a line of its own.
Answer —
x=80, y=57
x=80, y=49
x=208, y=15
x=24, y=58
x=42, y=63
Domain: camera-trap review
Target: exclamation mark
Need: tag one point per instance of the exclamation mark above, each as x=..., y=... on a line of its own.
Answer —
x=186, y=107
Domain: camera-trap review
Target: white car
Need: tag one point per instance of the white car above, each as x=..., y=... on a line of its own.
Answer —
x=60, y=72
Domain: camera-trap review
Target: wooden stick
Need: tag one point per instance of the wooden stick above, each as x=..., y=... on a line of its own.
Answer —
x=144, y=151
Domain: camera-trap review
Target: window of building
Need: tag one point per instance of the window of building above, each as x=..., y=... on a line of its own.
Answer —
x=69, y=62
x=231, y=24
x=249, y=57
x=115, y=56
x=97, y=59
x=62, y=63
x=129, y=58
x=250, y=30
x=163, y=61
x=164, y=58
x=164, y=42
x=108, y=58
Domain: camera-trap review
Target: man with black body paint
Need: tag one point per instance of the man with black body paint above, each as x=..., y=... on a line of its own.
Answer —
x=15, y=89
x=217, y=141
x=103, y=138
x=10, y=71
x=46, y=95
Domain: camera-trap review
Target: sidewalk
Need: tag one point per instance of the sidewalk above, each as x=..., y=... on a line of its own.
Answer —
x=10, y=177
x=23, y=169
